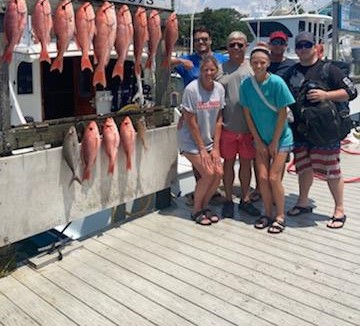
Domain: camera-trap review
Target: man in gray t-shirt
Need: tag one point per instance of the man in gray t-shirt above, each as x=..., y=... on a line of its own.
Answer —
x=236, y=138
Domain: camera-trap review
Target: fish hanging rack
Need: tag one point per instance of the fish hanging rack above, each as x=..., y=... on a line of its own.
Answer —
x=50, y=133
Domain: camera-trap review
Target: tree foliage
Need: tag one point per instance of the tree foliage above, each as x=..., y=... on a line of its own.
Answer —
x=220, y=23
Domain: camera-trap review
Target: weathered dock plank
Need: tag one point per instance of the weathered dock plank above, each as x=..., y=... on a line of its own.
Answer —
x=31, y=304
x=121, y=293
x=11, y=315
x=61, y=300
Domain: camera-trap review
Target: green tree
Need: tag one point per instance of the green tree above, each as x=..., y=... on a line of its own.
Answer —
x=220, y=23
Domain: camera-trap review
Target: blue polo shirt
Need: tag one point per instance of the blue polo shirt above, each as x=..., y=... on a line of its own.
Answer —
x=192, y=74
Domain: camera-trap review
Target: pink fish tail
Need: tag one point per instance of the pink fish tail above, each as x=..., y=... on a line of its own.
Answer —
x=86, y=63
x=44, y=56
x=128, y=163
x=87, y=174
x=111, y=167
x=57, y=64
x=118, y=70
x=7, y=56
x=165, y=63
x=137, y=69
x=148, y=63
x=99, y=77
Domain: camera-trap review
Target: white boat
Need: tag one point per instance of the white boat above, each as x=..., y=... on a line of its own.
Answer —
x=287, y=17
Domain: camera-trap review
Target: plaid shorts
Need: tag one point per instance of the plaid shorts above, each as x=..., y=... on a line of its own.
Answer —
x=324, y=161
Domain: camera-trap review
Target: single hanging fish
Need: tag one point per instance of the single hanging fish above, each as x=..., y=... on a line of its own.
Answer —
x=71, y=153
x=42, y=24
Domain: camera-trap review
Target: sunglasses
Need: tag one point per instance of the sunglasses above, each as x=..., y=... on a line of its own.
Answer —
x=234, y=44
x=306, y=45
x=199, y=39
x=278, y=41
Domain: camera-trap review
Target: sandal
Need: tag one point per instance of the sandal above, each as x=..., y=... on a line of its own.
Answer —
x=255, y=196
x=200, y=218
x=277, y=227
x=213, y=217
x=248, y=207
x=334, y=219
x=298, y=210
x=263, y=222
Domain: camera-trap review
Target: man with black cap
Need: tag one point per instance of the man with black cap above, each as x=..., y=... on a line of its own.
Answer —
x=311, y=159
x=278, y=42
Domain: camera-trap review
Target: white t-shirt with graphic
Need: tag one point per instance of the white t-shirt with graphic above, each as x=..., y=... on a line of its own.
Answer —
x=206, y=105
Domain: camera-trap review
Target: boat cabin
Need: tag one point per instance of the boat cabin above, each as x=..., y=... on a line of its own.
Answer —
x=291, y=25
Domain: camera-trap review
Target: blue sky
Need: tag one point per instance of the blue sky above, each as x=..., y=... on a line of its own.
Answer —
x=243, y=6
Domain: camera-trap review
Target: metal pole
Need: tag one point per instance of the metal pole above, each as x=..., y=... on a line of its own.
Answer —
x=335, y=31
x=191, y=33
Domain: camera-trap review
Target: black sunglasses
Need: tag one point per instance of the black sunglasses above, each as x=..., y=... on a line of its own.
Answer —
x=204, y=39
x=240, y=45
x=306, y=45
x=278, y=41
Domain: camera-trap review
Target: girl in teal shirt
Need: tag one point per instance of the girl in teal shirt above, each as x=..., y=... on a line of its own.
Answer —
x=272, y=135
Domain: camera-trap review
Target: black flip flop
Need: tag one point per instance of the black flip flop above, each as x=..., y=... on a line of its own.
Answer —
x=337, y=219
x=299, y=210
x=276, y=227
x=263, y=222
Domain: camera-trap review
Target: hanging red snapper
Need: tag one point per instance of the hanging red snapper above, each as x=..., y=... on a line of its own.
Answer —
x=140, y=37
x=111, y=141
x=124, y=37
x=64, y=28
x=154, y=26
x=89, y=148
x=105, y=21
x=14, y=24
x=85, y=30
x=171, y=35
x=127, y=135
x=42, y=25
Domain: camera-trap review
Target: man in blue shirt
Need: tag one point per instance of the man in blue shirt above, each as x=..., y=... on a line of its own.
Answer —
x=188, y=66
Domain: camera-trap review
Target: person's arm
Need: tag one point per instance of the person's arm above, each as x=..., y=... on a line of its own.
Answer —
x=188, y=64
x=215, y=153
x=194, y=128
x=259, y=144
x=274, y=145
x=317, y=95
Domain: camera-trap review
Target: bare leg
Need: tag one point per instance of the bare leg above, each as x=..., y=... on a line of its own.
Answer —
x=336, y=187
x=245, y=178
x=276, y=173
x=228, y=178
x=305, y=182
x=263, y=167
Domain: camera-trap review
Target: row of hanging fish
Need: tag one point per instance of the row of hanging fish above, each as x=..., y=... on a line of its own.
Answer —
x=101, y=31
x=112, y=140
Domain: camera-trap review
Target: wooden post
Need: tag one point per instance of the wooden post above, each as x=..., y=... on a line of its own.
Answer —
x=4, y=96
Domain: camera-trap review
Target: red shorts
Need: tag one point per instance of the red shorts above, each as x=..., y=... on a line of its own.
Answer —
x=232, y=143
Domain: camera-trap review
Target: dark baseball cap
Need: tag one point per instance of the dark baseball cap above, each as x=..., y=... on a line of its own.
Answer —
x=305, y=37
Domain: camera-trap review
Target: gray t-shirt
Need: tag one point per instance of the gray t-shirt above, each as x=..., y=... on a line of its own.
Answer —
x=206, y=105
x=230, y=77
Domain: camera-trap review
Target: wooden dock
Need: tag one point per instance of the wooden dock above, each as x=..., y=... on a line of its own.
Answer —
x=162, y=269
